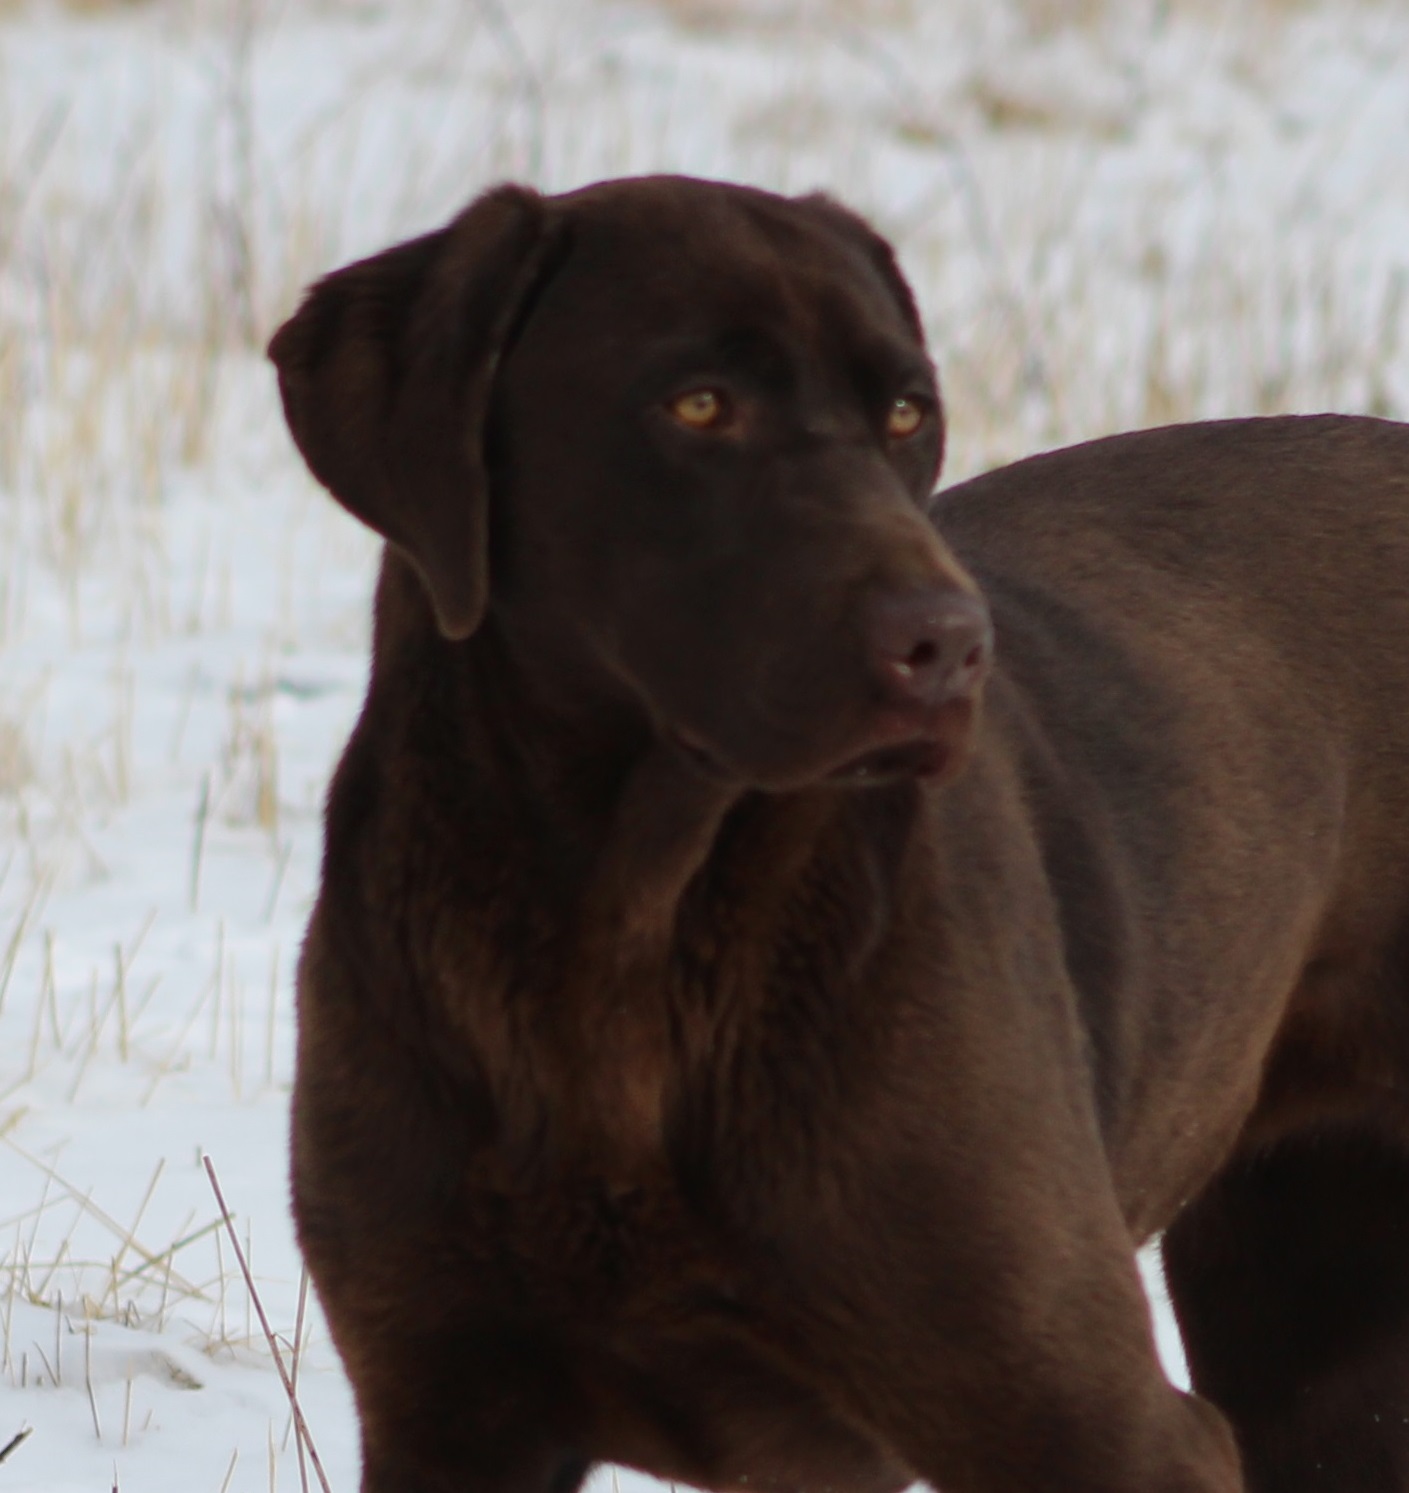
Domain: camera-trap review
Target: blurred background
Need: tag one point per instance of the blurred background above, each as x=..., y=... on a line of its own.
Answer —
x=1115, y=213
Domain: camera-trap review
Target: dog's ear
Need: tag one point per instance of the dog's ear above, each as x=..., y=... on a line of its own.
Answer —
x=386, y=372
x=857, y=231
x=851, y=226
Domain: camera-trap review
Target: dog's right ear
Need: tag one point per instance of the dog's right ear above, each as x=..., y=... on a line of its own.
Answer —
x=386, y=372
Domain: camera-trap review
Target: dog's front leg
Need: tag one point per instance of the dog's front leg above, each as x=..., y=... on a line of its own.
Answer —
x=998, y=1350
x=956, y=1272
x=464, y=1409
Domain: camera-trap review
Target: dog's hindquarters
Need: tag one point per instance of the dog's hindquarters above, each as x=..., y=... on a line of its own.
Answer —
x=1290, y=1276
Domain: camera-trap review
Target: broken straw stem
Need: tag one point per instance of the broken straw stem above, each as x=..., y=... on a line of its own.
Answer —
x=300, y=1424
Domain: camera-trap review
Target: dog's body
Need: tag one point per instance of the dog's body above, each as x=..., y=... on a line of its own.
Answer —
x=667, y=1094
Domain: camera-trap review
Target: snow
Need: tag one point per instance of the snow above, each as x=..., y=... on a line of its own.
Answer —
x=1151, y=211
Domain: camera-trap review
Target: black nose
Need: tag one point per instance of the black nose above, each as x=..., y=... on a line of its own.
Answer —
x=928, y=646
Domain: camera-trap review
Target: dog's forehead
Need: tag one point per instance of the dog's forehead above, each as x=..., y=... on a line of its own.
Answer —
x=690, y=253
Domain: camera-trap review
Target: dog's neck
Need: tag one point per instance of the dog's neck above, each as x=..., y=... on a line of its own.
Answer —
x=622, y=819
x=645, y=833
x=632, y=816
x=647, y=849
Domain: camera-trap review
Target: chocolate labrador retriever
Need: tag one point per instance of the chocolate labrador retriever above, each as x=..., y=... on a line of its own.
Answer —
x=784, y=940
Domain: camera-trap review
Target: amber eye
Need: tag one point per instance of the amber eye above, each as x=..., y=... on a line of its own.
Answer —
x=699, y=409
x=904, y=418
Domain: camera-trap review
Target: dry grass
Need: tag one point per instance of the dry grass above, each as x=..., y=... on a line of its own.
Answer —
x=112, y=380
x=307, y=1452
x=137, y=1287
x=16, y=765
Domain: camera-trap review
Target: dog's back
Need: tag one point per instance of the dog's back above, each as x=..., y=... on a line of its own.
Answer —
x=1208, y=625
x=1204, y=638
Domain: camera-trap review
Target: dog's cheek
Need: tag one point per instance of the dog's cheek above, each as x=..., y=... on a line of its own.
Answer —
x=760, y=680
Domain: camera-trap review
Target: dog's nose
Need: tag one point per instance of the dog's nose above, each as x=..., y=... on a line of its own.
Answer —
x=928, y=646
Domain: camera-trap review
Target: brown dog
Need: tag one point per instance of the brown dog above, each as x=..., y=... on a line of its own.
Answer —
x=727, y=1050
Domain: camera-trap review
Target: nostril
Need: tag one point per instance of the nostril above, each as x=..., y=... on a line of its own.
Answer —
x=928, y=645
x=922, y=655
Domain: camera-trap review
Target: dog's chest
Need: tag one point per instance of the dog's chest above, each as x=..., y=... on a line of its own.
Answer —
x=660, y=1334
x=646, y=1092
x=616, y=1052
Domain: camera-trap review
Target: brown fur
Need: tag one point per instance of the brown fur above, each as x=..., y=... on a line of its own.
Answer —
x=720, y=1055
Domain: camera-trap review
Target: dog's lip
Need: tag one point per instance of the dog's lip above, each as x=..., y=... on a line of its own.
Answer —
x=898, y=749
x=699, y=754
x=910, y=745
x=921, y=757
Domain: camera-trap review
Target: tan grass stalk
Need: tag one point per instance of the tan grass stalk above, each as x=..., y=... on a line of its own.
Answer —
x=15, y=1442
x=300, y=1424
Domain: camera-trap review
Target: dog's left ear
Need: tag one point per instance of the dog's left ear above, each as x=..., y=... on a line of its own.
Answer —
x=857, y=231
x=386, y=372
x=841, y=220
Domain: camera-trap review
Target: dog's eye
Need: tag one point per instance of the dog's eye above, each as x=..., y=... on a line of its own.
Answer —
x=699, y=408
x=904, y=417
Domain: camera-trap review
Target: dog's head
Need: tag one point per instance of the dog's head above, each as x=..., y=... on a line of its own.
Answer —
x=677, y=439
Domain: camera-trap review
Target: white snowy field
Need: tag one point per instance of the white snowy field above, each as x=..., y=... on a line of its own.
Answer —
x=1116, y=213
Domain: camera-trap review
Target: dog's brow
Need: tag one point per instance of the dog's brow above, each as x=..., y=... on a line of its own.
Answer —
x=910, y=371
x=887, y=368
x=737, y=350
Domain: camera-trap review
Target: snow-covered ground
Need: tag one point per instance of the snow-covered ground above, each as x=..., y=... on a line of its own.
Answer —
x=1115, y=213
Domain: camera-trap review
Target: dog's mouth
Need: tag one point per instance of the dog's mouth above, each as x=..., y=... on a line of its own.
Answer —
x=696, y=752
x=922, y=758
x=931, y=753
